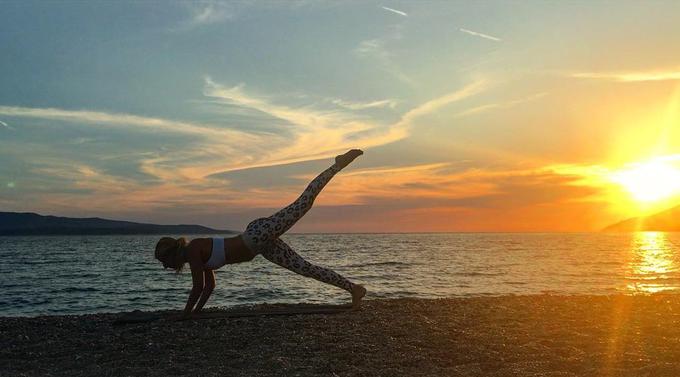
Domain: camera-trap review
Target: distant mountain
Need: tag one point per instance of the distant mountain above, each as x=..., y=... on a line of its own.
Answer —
x=666, y=221
x=14, y=223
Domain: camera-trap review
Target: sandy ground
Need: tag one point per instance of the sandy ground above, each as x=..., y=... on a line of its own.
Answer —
x=491, y=336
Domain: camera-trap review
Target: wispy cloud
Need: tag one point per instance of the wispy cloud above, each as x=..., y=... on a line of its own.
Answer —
x=314, y=133
x=187, y=175
x=225, y=144
x=121, y=120
x=202, y=13
x=319, y=134
x=396, y=11
x=5, y=125
x=364, y=105
x=500, y=105
x=210, y=12
x=481, y=35
x=435, y=104
x=652, y=75
x=303, y=134
x=371, y=47
x=376, y=50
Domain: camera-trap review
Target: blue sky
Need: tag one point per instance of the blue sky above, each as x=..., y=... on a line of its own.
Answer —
x=218, y=112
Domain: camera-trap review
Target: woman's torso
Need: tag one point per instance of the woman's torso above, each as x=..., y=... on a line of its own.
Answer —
x=235, y=251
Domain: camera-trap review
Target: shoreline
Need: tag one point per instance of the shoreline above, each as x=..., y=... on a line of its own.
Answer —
x=263, y=305
x=617, y=335
x=259, y=305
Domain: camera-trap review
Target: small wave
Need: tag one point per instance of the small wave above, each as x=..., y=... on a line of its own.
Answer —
x=474, y=273
x=588, y=274
x=137, y=298
x=652, y=279
x=389, y=263
x=46, y=262
x=516, y=282
x=24, y=301
x=76, y=289
x=71, y=276
x=160, y=290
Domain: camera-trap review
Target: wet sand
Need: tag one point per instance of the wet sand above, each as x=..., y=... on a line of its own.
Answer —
x=490, y=336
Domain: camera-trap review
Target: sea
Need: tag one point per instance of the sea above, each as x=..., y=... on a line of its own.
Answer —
x=57, y=275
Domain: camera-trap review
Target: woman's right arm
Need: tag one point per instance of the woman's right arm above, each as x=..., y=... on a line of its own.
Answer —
x=197, y=279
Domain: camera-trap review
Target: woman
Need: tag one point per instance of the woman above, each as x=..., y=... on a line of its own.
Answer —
x=261, y=236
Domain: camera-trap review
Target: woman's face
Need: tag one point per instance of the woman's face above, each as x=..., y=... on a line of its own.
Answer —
x=165, y=262
x=171, y=261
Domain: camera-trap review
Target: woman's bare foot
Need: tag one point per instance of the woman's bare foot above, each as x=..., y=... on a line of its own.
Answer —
x=358, y=292
x=343, y=160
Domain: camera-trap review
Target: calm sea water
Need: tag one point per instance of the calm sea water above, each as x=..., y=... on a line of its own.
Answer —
x=89, y=274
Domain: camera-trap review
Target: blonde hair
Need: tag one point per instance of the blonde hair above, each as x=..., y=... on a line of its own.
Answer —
x=169, y=247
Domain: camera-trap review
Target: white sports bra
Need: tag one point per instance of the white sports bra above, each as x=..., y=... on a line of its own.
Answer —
x=218, y=257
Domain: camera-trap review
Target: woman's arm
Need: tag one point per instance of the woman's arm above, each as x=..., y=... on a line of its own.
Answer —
x=209, y=278
x=196, y=265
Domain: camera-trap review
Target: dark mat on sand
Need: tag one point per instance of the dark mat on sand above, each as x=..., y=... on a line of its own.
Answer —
x=138, y=316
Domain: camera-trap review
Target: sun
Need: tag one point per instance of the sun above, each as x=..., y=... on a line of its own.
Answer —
x=650, y=181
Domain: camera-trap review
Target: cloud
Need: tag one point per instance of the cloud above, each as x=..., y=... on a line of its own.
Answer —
x=396, y=11
x=319, y=134
x=481, y=35
x=120, y=120
x=397, y=183
x=203, y=13
x=364, y=105
x=372, y=47
x=303, y=133
x=375, y=49
x=657, y=75
x=312, y=133
x=450, y=196
x=434, y=194
x=501, y=105
x=157, y=176
x=211, y=143
x=433, y=105
x=83, y=140
x=5, y=125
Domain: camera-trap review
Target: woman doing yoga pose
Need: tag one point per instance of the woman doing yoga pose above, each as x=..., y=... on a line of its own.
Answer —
x=261, y=236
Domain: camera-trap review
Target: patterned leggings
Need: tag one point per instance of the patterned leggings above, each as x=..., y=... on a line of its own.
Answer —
x=262, y=235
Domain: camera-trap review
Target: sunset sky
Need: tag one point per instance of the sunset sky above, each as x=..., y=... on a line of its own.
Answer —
x=474, y=116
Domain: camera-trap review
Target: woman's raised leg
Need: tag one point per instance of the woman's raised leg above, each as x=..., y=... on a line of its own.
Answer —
x=261, y=231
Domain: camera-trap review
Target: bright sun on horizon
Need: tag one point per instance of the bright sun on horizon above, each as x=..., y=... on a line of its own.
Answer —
x=650, y=181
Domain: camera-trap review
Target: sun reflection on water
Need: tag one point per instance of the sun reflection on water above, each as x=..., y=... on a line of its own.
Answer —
x=651, y=263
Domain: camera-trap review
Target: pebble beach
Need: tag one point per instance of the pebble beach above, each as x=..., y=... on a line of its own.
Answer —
x=534, y=335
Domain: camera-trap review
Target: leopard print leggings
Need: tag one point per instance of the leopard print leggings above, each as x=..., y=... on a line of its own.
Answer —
x=262, y=235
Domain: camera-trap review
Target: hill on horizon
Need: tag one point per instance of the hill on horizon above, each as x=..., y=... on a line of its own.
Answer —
x=28, y=223
x=664, y=221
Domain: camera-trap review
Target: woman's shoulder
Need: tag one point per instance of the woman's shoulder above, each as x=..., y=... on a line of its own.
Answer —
x=200, y=243
x=200, y=248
